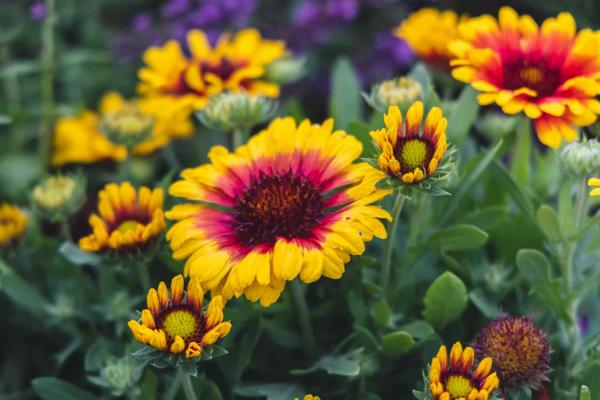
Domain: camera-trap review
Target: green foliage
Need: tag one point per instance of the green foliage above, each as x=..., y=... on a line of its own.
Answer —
x=345, y=102
x=445, y=300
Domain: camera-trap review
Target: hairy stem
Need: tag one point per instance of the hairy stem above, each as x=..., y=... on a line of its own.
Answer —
x=389, y=244
x=188, y=389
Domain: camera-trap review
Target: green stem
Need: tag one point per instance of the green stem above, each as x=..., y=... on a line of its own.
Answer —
x=65, y=230
x=304, y=315
x=144, y=275
x=47, y=62
x=188, y=389
x=237, y=139
x=389, y=244
x=580, y=209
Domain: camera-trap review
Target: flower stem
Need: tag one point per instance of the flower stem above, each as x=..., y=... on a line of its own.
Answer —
x=237, y=139
x=389, y=244
x=47, y=62
x=188, y=389
x=142, y=267
x=304, y=315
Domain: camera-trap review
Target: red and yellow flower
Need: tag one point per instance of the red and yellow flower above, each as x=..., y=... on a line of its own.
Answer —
x=428, y=32
x=126, y=219
x=79, y=139
x=551, y=73
x=454, y=378
x=175, y=322
x=235, y=63
x=595, y=184
x=407, y=152
x=290, y=203
x=13, y=223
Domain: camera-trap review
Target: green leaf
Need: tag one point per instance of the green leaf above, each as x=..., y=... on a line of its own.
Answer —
x=345, y=102
x=463, y=115
x=382, y=313
x=549, y=223
x=536, y=269
x=361, y=132
x=519, y=166
x=366, y=338
x=341, y=365
x=483, y=304
x=22, y=293
x=272, y=391
x=418, y=329
x=397, y=343
x=470, y=180
x=420, y=74
x=584, y=393
x=247, y=344
x=49, y=388
x=76, y=256
x=521, y=199
x=445, y=300
x=459, y=237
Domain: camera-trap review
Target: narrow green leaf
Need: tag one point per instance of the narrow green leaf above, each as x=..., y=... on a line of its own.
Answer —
x=463, y=115
x=20, y=291
x=549, y=223
x=345, y=101
x=521, y=199
x=418, y=329
x=459, y=237
x=397, y=343
x=483, y=304
x=76, y=256
x=382, y=313
x=519, y=166
x=445, y=300
x=49, y=388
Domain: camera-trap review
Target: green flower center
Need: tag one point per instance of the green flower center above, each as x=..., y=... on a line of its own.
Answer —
x=414, y=153
x=458, y=386
x=128, y=225
x=180, y=323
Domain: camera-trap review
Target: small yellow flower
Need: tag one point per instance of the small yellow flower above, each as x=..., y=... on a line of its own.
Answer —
x=595, y=183
x=13, y=222
x=176, y=323
x=54, y=193
x=407, y=152
x=454, y=378
x=126, y=219
x=309, y=397
x=429, y=32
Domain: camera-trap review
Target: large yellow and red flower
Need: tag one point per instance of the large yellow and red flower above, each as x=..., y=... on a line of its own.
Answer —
x=13, y=223
x=454, y=378
x=290, y=203
x=235, y=63
x=79, y=139
x=176, y=323
x=551, y=73
x=428, y=32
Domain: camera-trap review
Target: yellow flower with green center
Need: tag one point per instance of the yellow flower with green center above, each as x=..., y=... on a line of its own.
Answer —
x=127, y=219
x=13, y=222
x=406, y=151
x=595, y=183
x=455, y=379
x=54, y=192
x=176, y=323
x=127, y=125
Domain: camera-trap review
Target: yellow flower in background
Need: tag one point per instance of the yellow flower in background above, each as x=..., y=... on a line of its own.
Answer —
x=13, y=223
x=309, y=397
x=290, y=203
x=455, y=378
x=408, y=152
x=235, y=63
x=175, y=322
x=428, y=32
x=80, y=139
x=126, y=219
x=595, y=183
x=551, y=73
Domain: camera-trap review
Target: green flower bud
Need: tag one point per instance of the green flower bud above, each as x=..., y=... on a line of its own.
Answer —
x=580, y=158
x=401, y=92
x=286, y=70
x=230, y=111
x=127, y=126
x=58, y=196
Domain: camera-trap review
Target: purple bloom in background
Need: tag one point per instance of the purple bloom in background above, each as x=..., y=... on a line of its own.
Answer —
x=37, y=11
x=583, y=323
x=390, y=56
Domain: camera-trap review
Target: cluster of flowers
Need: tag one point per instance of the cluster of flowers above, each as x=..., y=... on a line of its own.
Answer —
x=292, y=202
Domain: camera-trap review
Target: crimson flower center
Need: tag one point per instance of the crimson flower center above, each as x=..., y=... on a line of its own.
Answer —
x=272, y=206
x=536, y=76
x=223, y=69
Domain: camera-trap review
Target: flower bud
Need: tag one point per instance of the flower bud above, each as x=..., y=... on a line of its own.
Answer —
x=400, y=92
x=286, y=70
x=127, y=126
x=58, y=196
x=580, y=158
x=229, y=111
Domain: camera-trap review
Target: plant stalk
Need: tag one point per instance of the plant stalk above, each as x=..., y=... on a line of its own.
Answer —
x=237, y=139
x=144, y=275
x=48, y=70
x=188, y=389
x=304, y=315
x=389, y=244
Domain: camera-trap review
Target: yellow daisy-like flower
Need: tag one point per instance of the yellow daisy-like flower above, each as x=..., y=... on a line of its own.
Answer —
x=126, y=219
x=290, y=203
x=309, y=397
x=551, y=73
x=595, y=183
x=175, y=322
x=13, y=222
x=407, y=153
x=235, y=63
x=428, y=32
x=455, y=379
x=79, y=139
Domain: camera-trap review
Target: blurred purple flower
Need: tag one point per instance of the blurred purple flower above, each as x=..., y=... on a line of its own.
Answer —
x=37, y=11
x=584, y=325
x=389, y=57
